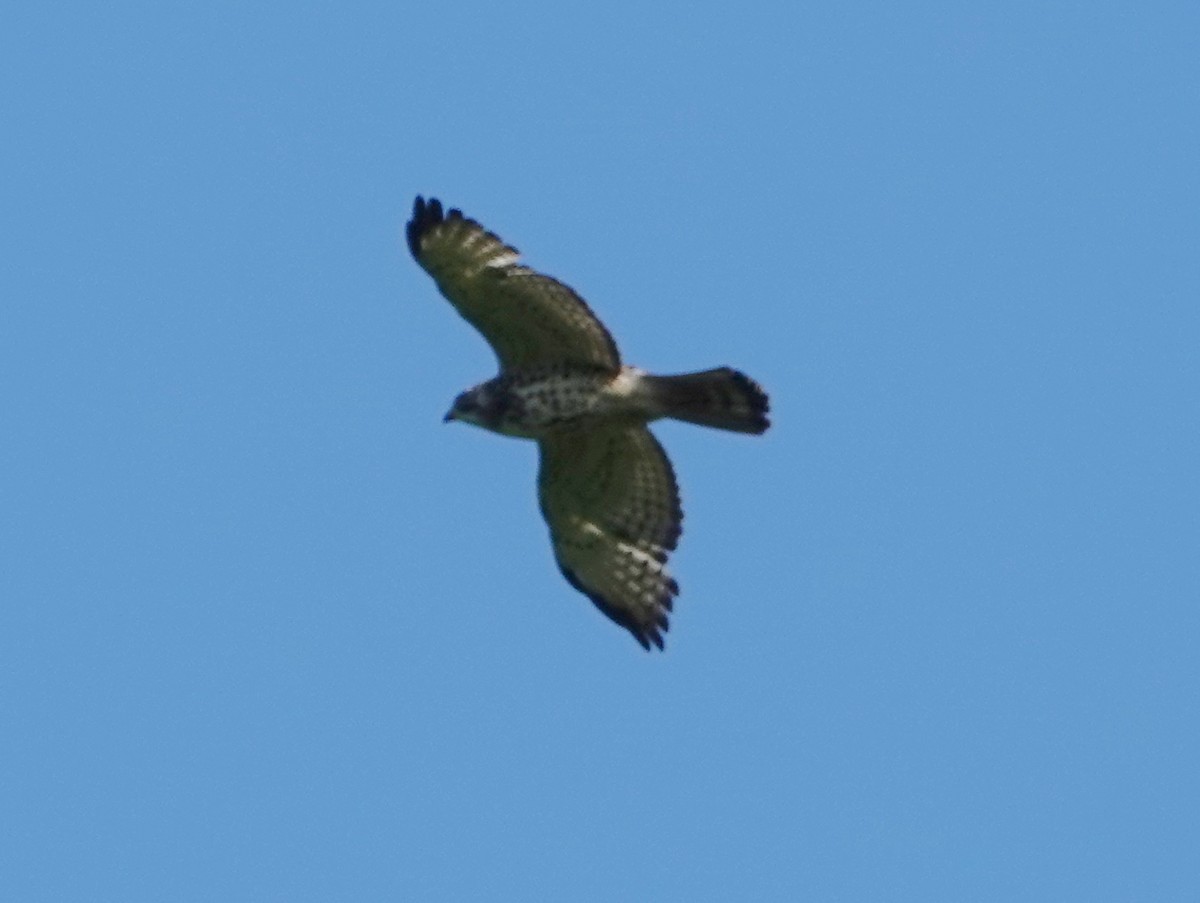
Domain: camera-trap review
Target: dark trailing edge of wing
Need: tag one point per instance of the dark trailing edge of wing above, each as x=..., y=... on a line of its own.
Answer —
x=671, y=540
x=644, y=635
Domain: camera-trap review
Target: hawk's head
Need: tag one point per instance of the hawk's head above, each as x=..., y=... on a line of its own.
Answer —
x=481, y=406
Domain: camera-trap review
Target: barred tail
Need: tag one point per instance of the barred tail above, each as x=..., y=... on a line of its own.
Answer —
x=723, y=398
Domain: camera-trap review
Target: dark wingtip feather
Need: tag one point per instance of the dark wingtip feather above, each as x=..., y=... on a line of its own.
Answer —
x=644, y=634
x=425, y=216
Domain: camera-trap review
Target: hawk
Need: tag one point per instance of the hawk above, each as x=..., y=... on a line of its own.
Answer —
x=605, y=486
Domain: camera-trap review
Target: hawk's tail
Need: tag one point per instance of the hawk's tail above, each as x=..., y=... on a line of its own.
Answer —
x=723, y=398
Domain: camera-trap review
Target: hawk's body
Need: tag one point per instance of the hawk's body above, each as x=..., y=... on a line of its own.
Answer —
x=533, y=402
x=605, y=485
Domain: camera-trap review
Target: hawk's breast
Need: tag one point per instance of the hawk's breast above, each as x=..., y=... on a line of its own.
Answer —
x=553, y=399
x=536, y=403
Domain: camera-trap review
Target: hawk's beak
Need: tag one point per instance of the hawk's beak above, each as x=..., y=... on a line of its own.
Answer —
x=449, y=416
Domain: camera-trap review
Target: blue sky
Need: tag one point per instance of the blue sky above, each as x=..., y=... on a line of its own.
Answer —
x=269, y=630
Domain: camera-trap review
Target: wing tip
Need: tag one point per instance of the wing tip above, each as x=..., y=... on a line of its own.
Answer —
x=425, y=216
x=647, y=634
x=428, y=215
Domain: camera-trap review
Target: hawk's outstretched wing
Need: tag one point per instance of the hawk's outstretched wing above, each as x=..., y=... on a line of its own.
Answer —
x=610, y=498
x=528, y=318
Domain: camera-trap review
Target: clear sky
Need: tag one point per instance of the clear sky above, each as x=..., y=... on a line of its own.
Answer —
x=269, y=630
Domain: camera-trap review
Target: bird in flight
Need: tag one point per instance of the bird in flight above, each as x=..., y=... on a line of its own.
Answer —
x=605, y=486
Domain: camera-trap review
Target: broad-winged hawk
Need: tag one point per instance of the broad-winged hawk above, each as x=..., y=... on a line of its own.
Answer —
x=606, y=487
